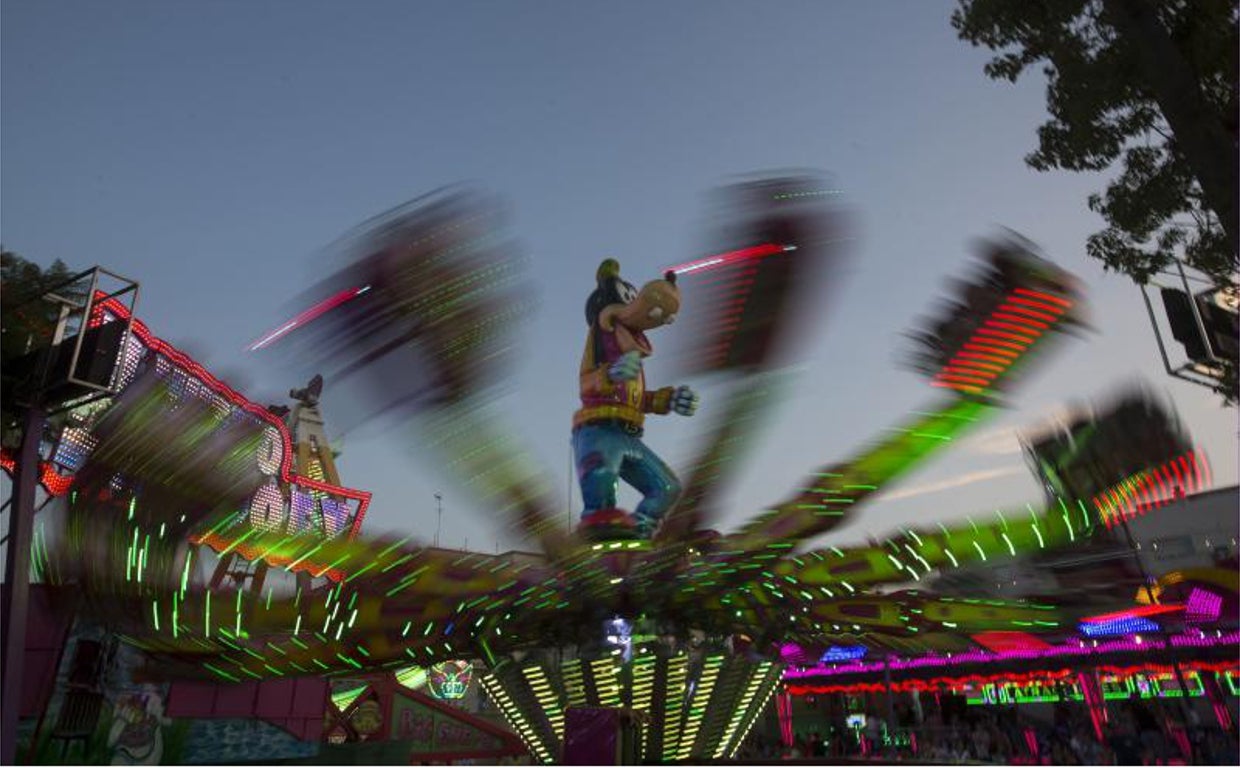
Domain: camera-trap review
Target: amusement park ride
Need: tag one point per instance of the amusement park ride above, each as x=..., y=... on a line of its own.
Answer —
x=215, y=535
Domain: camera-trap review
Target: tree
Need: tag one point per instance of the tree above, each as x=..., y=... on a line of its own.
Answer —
x=23, y=324
x=1148, y=84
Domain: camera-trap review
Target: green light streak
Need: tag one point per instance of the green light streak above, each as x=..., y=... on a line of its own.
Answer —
x=309, y=552
x=146, y=548
x=329, y=567
x=1085, y=522
x=236, y=542
x=221, y=672
x=1008, y=541
x=348, y=660
x=133, y=549
x=189, y=558
x=363, y=570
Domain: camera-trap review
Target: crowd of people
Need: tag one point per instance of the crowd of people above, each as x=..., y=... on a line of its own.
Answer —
x=1136, y=733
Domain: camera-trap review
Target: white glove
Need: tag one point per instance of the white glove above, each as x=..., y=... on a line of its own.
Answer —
x=685, y=401
x=626, y=368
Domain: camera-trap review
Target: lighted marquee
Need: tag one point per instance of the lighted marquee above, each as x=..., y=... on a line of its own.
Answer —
x=1115, y=686
x=285, y=503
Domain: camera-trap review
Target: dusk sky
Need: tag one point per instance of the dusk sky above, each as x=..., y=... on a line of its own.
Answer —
x=210, y=150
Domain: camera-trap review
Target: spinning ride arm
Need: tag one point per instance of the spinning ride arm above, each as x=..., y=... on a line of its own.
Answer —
x=835, y=491
x=976, y=350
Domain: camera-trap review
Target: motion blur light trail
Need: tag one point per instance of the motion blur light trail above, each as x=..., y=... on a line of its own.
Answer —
x=181, y=474
x=310, y=314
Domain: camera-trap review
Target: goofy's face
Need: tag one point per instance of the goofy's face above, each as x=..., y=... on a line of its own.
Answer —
x=617, y=301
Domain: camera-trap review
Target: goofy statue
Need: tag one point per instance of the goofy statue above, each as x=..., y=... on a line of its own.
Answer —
x=607, y=430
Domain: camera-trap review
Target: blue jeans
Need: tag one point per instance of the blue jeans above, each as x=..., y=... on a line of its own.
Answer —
x=606, y=454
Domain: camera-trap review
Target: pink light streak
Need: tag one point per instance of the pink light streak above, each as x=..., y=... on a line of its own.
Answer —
x=731, y=257
x=310, y=314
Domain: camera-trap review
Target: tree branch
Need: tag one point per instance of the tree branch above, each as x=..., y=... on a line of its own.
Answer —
x=1200, y=137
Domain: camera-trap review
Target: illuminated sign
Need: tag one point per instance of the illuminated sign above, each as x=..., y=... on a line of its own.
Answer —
x=450, y=679
x=1141, y=685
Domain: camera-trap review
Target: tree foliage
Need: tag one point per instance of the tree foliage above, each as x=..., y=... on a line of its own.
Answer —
x=1147, y=87
x=24, y=323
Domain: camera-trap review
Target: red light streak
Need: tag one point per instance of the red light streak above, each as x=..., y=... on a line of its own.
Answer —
x=1022, y=331
x=1045, y=297
x=1025, y=311
x=1002, y=347
x=731, y=257
x=308, y=315
x=1129, y=613
x=1025, y=678
x=1027, y=321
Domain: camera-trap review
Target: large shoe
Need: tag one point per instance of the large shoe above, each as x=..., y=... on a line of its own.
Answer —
x=645, y=527
x=608, y=525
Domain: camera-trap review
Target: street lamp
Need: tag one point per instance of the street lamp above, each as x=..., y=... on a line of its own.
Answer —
x=439, y=516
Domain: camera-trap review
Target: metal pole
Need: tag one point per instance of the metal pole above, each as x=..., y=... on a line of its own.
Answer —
x=569, y=507
x=17, y=581
x=891, y=707
x=1157, y=336
x=439, y=517
x=1201, y=326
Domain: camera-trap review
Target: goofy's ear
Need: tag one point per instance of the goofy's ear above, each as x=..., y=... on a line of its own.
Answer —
x=608, y=277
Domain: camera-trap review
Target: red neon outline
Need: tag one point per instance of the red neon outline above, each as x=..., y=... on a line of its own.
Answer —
x=1037, y=304
x=1189, y=479
x=1025, y=333
x=1146, y=495
x=990, y=349
x=1208, y=474
x=1030, y=313
x=1004, y=316
x=970, y=364
x=1045, y=297
x=992, y=339
x=967, y=355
